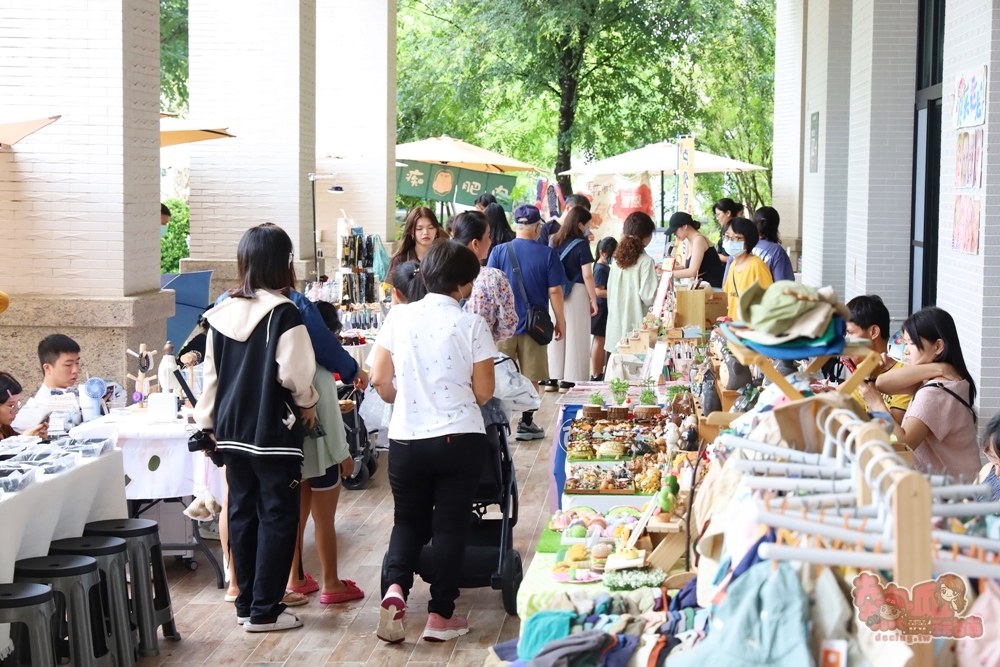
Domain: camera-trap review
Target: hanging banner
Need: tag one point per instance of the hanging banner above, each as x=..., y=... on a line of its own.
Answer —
x=501, y=186
x=471, y=184
x=612, y=198
x=413, y=180
x=685, y=174
x=438, y=182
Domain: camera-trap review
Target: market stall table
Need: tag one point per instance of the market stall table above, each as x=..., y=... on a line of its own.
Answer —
x=56, y=507
x=159, y=466
x=359, y=352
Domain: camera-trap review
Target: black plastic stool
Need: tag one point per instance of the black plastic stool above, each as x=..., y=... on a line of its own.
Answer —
x=111, y=554
x=76, y=583
x=31, y=605
x=150, y=595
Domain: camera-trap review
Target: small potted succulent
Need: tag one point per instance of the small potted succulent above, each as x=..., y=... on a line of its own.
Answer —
x=619, y=391
x=595, y=407
x=647, y=407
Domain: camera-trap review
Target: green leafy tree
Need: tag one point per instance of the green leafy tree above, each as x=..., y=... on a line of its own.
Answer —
x=174, y=56
x=174, y=245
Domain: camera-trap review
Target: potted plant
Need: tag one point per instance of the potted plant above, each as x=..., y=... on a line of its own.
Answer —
x=647, y=407
x=595, y=407
x=619, y=392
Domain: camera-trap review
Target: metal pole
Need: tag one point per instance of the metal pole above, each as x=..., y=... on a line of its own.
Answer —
x=663, y=211
x=312, y=181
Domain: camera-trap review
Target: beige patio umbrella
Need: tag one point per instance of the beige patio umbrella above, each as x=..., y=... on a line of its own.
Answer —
x=175, y=131
x=11, y=133
x=457, y=153
x=661, y=158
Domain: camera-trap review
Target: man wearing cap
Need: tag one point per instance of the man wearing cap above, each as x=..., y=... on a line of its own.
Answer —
x=542, y=276
x=550, y=228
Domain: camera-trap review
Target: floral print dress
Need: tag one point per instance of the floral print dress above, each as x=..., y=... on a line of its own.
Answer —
x=493, y=299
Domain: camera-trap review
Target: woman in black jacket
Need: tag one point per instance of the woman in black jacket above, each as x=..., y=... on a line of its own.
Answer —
x=257, y=400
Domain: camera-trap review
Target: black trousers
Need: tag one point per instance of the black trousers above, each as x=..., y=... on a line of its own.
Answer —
x=433, y=482
x=263, y=527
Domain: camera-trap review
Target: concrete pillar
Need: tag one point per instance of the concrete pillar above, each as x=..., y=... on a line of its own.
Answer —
x=880, y=170
x=789, y=89
x=356, y=116
x=969, y=284
x=824, y=180
x=252, y=69
x=79, y=199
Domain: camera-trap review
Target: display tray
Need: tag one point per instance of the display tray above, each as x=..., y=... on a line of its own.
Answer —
x=600, y=459
x=599, y=492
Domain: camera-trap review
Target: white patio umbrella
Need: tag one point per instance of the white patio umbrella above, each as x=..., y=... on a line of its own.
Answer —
x=11, y=133
x=661, y=158
x=175, y=131
x=457, y=153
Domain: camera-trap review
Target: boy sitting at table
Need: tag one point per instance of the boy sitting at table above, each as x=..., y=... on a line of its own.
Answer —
x=59, y=357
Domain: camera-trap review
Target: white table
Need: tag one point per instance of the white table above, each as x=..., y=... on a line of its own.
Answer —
x=157, y=462
x=359, y=352
x=56, y=507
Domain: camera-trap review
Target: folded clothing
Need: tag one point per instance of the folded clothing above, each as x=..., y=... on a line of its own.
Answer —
x=581, y=649
x=543, y=628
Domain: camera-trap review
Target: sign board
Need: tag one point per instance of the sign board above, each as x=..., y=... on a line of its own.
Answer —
x=612, y=198
x=814, y=143
x=685, y=175
x=440, y=182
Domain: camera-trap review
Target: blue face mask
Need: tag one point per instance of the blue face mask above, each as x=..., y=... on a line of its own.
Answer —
x=586, y=231
x=734, y=248
x=163, y=231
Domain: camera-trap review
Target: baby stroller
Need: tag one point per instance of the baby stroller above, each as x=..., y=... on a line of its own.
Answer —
x=364, y=454
x=490, y=557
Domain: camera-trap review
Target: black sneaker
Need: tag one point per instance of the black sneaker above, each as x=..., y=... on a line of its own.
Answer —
x=549, y=385
x=565, y=386
x=530, y=431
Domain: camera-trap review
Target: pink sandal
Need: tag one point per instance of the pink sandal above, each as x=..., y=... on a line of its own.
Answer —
x=352, y=593
x=311, y=586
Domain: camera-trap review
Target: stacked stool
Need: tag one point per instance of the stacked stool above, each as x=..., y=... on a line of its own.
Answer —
x=33, y=606
x=111, y=554
x=150, y=597
x=76, y=580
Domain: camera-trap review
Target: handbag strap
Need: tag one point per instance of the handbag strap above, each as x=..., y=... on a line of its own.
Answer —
x=566, y=250
x=958, y=398
x=517, y=274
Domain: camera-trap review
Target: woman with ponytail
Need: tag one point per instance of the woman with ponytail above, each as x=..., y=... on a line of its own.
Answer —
x=632, y=283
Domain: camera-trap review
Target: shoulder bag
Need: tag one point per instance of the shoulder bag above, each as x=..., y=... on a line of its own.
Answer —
x=538, y=324
x=568, y=285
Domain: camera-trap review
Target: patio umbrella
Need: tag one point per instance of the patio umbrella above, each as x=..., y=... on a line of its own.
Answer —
x=192, y=299
x=11, y=133
x=457, y=153
x=174, y=131
x=661, y=158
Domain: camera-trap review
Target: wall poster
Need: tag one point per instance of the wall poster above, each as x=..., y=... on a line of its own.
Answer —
x=965, y=230
x=970, y=98
x=969, y=159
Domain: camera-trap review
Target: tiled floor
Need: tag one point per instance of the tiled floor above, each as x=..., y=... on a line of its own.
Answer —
x=344, y=634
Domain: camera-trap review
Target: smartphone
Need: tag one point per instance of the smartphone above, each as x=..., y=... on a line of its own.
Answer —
x=317, y=431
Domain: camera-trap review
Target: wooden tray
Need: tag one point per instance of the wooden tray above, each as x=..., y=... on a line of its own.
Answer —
x=598, y=492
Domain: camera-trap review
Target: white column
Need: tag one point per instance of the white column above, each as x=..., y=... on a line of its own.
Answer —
x=79, y=212
x=969, y=285
x=880, y=172
x=356, y=115
x=787, y=160
x=252, y=69
x=824, y=191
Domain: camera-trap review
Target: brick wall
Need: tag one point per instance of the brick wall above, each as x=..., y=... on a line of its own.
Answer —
x=880, y=149
x=252, y=68
x=356, y=113
x=786, y=174
x=78, y=199
x=969, y=285
x=824, y=193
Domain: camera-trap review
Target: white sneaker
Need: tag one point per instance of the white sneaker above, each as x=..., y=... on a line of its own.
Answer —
x=285, y=621
x=242, y=620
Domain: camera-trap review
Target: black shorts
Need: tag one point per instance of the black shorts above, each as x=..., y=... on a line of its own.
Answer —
x=328, y=481
x=599, y=322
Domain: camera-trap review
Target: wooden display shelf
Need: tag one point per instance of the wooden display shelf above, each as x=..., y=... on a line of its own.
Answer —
x=710, y=425
x=726, y=396
x=748, y=357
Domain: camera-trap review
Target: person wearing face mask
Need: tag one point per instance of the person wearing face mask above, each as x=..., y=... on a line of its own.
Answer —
x=569, y=358
x=940, y=422
x=746, y=268
x=491, y=297
x=434, y=362
x=870, y=321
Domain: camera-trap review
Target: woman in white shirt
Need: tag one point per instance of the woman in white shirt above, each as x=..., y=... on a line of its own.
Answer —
x=434, y=361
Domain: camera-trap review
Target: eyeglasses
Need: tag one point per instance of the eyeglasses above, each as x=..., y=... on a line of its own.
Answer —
x=737, y=239
x=13, y=407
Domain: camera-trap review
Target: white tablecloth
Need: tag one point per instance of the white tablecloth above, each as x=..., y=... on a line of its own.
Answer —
x=156, y=457
x=57, y=507
x=360, y=353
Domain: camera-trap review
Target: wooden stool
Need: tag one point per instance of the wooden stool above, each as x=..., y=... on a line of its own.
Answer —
x=74, y=579
x=33, y=606
x=150, y=596
x=111, y=554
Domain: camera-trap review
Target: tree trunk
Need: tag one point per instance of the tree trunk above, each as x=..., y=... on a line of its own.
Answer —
x=567, y=116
